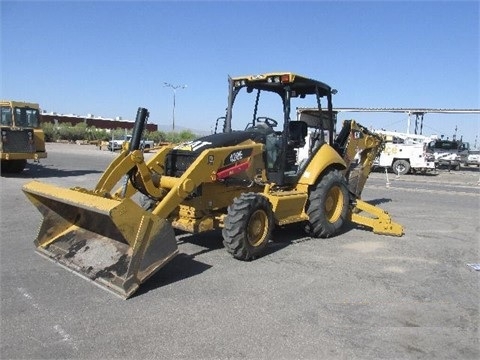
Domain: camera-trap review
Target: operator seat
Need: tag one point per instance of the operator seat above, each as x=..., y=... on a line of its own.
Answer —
x=261, y=128
x=297, y=133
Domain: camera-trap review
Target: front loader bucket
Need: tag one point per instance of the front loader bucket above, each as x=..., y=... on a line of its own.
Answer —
x=114, y=243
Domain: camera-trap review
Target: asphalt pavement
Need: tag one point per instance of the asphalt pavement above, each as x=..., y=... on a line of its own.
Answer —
x=355, y=296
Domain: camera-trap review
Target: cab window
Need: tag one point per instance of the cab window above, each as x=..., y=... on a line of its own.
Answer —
x=6, y=116
x=25, y=117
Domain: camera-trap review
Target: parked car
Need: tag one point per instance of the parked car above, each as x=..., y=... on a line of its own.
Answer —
x=473, y=158
x=118, y=143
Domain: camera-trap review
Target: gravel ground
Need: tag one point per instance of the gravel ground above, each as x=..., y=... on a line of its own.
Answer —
x=354, y=296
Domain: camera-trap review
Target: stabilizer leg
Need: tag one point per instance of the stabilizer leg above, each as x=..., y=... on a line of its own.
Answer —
x=380, y=220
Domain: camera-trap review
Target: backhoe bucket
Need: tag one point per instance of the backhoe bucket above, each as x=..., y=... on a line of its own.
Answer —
x=114, y=243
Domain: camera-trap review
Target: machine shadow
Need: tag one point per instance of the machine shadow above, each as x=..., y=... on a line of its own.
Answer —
x=376, y=202
x=36, y=171
x=294, y=234
x=184, y=265
x=471, y=168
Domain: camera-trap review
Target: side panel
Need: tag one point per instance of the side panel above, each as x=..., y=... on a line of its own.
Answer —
x=325, y=157
x=288, y=207
x=39, y=138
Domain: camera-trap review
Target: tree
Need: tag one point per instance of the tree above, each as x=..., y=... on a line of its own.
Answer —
x=156, y=136
x=185, y=135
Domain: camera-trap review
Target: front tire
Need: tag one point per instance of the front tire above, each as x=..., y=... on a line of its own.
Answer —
x=248, y=226
x=327, y=206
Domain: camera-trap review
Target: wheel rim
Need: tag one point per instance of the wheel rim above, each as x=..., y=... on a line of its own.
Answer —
x=400, y=168
x=334, y=204
x=257, y=228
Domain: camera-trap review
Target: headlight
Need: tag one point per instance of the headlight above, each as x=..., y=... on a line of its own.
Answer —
x=239, y=83
x=273, y=79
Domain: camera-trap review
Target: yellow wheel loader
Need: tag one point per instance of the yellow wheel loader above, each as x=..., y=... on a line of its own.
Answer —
x=22, y=137
x=245, y=182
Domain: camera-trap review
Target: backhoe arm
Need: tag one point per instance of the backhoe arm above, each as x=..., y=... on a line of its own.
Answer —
x=359, y=150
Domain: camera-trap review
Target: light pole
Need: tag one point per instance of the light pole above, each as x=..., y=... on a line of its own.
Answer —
x=174, y=89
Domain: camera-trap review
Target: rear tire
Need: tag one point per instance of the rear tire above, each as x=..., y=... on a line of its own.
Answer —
x=248, y=226
x=327, y=206
x=401, y=167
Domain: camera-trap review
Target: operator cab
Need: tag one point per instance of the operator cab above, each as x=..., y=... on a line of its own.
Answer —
x=284, y=139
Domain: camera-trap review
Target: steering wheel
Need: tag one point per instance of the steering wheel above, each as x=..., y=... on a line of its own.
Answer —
x=269, y=121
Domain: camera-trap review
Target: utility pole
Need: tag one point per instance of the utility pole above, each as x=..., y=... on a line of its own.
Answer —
x=174, y=89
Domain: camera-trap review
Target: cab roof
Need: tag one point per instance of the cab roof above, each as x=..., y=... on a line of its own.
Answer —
x=277, y=81
x=12, y=103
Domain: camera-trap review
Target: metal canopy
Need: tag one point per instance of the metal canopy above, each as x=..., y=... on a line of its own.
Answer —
x=300, y=84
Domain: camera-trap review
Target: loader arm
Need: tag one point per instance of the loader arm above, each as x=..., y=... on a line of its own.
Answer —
x=118, y=168
x=131, y=165
x=203, y=170
x=121, y=167
x=144, y=176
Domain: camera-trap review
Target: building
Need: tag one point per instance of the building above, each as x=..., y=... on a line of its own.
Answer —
x=91, y=120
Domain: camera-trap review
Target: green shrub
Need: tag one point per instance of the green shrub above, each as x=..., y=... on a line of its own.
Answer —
x=50, y=131
x=68, y=132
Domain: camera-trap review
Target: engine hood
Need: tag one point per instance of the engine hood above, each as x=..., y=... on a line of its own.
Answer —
x=223, y=140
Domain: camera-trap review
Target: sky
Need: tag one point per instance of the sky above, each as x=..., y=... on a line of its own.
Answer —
x=108, y=58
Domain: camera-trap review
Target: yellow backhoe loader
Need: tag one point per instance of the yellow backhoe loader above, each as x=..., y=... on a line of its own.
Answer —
x=242, y=181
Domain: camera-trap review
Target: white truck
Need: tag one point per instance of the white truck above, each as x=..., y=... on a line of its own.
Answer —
x=405, y=153
x=473, y=158
x=449, y=153
x=117, y=144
